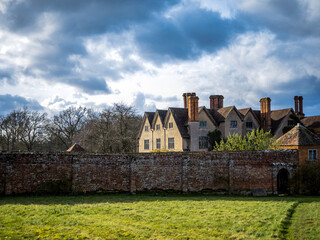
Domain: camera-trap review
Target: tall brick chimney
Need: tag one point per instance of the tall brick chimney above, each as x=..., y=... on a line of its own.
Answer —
x=216, y=102
x=193, y=114
x=193, y=123
x=185, y=98
x=265, y=111
x=296, y=105
x=301, y=114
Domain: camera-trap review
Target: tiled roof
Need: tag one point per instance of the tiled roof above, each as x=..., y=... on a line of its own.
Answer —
x=180, y=116
x=299, y=136
x=276, y=118
x=150, y=116
x=244, y=111
x=162, y=115
x=312, y=122
x=76, y=148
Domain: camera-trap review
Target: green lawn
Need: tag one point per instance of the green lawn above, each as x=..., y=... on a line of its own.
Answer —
x=159, y=217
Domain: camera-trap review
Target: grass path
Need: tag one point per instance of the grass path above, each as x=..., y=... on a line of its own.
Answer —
x=157, y=217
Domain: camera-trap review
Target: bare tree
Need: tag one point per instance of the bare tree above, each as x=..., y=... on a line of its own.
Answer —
x=21, y=129
x=68, y=124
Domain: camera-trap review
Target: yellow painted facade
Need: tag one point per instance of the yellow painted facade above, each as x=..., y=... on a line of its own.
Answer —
x=173, y=133
x=145, y=135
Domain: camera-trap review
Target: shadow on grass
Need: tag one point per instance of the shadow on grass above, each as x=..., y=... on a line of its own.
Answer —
x=131, y=198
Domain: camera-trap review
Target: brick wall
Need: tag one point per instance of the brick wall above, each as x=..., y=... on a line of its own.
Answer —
x=233, y=172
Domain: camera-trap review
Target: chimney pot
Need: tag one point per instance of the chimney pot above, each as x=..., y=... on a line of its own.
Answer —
x=265, y=112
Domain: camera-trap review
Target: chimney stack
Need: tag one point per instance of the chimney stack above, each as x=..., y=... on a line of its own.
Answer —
x=216, y=102
x=301, y=114
x=265, y=111
x=193, y=114
x=185, y=98
x=296, y=105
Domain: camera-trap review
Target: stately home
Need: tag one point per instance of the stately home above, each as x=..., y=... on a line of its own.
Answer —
x=186, y=129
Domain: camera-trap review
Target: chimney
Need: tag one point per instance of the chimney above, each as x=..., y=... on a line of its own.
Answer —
x=265, y=111
x=216, y=102
x=301, y=114
x=193, y=123
x=185, y=98
x=193, y=115
x=296, y=105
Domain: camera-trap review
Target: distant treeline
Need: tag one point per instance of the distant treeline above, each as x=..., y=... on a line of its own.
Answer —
x=113, y=130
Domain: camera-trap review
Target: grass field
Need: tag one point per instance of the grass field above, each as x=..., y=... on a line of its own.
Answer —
x=159, y=217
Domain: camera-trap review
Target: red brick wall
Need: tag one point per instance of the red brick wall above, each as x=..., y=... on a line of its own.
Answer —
x=232, y=172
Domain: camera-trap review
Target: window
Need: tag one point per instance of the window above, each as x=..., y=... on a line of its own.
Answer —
x=170, y=125
x=170, y=143
x=158, y=127
x=203, y=142
x=203, y=124
x=249, y=124
x=158, y=143
x=146, y=128
x=233, y=124
x=291, y=123
x=312, y=154
x=146, y=144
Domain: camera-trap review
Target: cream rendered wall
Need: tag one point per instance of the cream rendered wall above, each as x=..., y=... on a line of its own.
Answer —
x=158, y=134
x=250, y=118
x=174, y=132
x=233, y=116
x=145, y=135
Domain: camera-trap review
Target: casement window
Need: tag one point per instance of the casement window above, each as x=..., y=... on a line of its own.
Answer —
x=146, y=128
x=158, y=143
x=233, y=124
x=249, y=124
x=158, y=127
x=202, y=124
x=203, y=142
x=146, y=144
x=290, y=123
x=170, y=125
x=312, y=154
x=170, y=143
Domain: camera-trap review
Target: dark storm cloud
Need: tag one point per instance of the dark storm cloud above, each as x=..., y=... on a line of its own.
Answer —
x=9, y=103
x=185, y=35
x=82, y=17
x=91, y=86
x=75, y=20
x=286, y=18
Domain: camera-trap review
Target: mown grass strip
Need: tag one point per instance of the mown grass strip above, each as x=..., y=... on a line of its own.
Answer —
x=285, y=224
x=143, y=217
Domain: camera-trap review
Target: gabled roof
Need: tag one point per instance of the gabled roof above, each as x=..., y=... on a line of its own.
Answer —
x=221, y=114
x=244, y=112
x=162, y=115
x=277, y=116
x=76, y=148
x=299, y=136
x=312, y=122
x=203, y=108
x=180, y=116
x=149, y=116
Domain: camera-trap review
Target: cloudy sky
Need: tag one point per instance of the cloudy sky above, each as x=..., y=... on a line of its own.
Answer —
x=54, y=54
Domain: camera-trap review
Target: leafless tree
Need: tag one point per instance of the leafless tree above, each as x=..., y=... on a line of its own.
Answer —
x=68, y=124
x=21, y=129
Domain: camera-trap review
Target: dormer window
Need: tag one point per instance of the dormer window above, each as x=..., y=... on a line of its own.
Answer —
x=146, y=128
x=170, y=125
x=249, y=125
x=158, y=127
x=202, y=124
x=233, y=124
